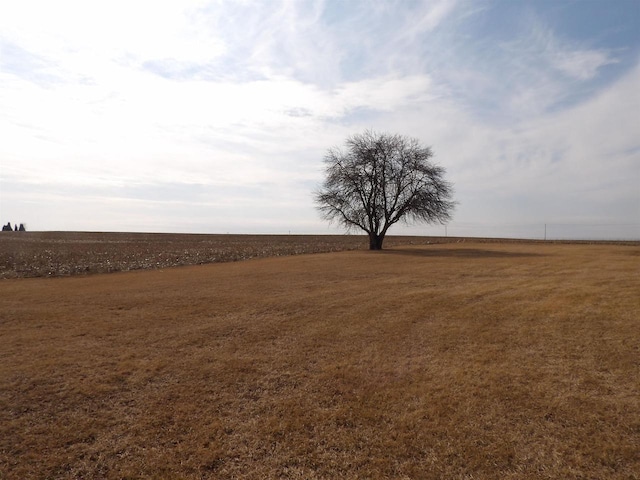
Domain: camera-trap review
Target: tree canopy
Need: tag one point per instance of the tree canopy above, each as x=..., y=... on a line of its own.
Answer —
x=379, y=179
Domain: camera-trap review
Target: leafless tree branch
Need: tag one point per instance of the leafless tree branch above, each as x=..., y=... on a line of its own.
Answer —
x=381, y=179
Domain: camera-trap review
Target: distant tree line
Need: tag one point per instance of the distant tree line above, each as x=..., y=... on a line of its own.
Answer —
x=16, y=228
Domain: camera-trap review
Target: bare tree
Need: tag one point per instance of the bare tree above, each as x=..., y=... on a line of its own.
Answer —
x=380, y=179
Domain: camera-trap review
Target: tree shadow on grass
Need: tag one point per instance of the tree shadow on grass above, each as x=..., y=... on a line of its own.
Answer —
x=459, y=253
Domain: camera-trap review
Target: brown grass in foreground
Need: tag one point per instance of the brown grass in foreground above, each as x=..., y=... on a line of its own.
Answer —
x=465, y=361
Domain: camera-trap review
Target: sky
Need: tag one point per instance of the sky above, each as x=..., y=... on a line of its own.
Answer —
x=214, y=116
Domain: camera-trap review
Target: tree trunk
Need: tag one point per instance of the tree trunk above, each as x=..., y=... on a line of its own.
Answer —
x=375, y=241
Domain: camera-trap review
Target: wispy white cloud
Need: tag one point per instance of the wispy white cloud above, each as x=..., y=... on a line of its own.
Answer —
x=582, y=65
x=581, y=162
x=429, y=17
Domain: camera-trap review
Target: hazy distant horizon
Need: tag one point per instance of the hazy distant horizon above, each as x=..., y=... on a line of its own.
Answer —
x=522, y=232
x=204, y=117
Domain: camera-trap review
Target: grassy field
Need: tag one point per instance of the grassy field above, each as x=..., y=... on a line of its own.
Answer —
x=446, y=361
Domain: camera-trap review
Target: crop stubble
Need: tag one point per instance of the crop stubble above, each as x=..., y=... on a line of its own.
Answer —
x=468, y=360
x=55, y=254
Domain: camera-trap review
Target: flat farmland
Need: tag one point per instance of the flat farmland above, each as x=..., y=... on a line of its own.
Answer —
x=469, y=360
x=47, y=254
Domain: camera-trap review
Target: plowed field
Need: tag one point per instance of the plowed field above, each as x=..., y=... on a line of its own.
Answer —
x=54, y=254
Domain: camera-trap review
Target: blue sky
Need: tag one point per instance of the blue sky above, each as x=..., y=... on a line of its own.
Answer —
x=213, y=117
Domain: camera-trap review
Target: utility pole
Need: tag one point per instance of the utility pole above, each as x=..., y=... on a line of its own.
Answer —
x=545, y=231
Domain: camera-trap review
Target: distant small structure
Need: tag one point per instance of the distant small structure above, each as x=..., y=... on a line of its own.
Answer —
x=15, y=228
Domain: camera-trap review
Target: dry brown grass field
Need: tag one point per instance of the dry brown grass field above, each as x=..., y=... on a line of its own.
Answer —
x=443, y=361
